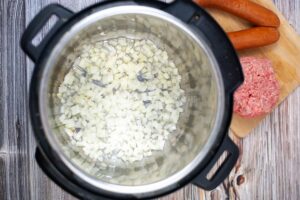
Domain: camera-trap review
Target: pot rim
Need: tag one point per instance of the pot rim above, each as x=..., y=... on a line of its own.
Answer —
x=56, y=151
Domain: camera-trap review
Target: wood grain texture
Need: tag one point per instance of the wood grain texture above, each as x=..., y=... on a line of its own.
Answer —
x=270, y=156
x=13, y=124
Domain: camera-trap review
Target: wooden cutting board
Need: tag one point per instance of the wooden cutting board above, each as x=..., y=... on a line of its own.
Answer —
x=285, y=56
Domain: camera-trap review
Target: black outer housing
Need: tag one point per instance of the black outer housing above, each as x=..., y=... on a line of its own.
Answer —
x=200, y=22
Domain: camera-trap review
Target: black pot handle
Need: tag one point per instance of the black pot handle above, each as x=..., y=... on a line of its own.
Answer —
x=37, y=24
x=62, y=181
x=223, y=171
x=203, y=24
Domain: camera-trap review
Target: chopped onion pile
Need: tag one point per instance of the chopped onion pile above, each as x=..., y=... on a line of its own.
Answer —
x=121, y=99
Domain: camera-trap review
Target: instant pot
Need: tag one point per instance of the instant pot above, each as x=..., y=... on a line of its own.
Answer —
x=210, y=71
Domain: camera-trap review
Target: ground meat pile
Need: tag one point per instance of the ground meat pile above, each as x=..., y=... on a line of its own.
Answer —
x=260, y=90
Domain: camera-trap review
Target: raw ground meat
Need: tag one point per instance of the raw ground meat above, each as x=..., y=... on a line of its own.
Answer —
x=260, y=91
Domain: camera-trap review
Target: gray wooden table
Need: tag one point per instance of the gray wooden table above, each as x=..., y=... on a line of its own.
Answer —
x=269, y=164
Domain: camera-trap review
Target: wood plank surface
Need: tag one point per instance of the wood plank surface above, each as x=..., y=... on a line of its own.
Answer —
x=13, y=125
x=270, y=156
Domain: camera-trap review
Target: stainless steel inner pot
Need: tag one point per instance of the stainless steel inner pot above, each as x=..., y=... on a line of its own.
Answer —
x=198, y=125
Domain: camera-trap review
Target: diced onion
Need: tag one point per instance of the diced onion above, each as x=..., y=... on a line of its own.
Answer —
x=121, y=99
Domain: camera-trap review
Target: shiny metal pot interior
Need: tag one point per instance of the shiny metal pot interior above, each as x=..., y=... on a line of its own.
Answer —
x=200, y=82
